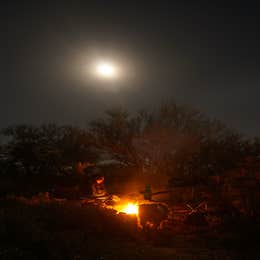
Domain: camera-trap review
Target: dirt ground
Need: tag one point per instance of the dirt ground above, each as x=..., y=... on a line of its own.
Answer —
x=42, y=228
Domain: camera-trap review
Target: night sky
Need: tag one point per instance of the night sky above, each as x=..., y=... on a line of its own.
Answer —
x=204, y=55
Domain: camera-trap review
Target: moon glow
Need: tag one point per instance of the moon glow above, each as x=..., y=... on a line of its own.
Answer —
x=106, y=70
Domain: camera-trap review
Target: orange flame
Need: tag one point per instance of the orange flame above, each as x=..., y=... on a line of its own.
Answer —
x=129, y=208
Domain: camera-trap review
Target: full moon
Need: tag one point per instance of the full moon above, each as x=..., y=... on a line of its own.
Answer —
x=106, y=70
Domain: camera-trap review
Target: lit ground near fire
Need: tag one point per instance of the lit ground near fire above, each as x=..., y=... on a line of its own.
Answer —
x=43, y=228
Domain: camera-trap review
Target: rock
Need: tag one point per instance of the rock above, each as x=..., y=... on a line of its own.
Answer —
x=151, y=215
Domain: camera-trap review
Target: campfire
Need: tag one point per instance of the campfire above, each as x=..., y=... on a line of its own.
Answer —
x=148, y=214
x=127, y=208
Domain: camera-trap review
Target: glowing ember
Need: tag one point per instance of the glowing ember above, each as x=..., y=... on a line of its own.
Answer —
x=129, y=208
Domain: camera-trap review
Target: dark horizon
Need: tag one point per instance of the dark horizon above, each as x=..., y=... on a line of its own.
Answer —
x=202, y=55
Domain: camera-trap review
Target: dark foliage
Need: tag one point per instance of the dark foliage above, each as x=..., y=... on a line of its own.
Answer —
x=202, y=159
